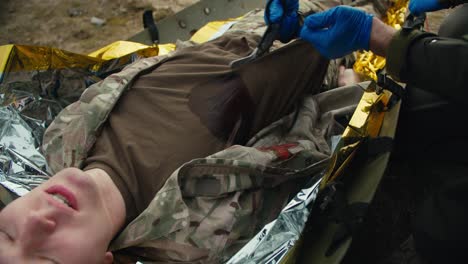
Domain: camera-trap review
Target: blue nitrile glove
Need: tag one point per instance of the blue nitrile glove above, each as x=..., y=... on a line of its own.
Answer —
x=417, y=7
x=287, y=16
x=338, y=31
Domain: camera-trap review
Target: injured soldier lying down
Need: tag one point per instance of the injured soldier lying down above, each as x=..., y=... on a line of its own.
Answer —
x=132, y=180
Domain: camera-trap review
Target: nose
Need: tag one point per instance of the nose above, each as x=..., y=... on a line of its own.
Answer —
x=36, y=229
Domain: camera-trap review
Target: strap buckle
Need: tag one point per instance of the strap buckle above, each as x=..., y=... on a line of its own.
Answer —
x=414, y=22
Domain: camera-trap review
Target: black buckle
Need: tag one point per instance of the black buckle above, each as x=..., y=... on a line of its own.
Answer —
x=414, y=22
x=386, y=83
x=349, y=217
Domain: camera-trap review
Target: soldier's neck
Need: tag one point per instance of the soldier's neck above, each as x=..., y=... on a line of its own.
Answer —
x=111, y=198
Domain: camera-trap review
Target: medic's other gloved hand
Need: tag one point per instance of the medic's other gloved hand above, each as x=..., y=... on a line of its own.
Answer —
x=417, y=7
x=286, y=15
x=338, y=31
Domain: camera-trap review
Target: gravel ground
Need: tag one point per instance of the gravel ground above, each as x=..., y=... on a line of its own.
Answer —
x=66, y=24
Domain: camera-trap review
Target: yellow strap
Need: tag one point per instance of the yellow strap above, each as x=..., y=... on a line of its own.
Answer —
x=119, y=49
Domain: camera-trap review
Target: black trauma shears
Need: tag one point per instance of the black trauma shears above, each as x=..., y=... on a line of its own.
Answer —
x=270, y=35
x=263, y=47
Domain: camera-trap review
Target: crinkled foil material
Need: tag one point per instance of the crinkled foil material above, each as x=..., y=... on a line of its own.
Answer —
x=367, y=63
x=36, y=83
x=22, y=166
x=273, y=242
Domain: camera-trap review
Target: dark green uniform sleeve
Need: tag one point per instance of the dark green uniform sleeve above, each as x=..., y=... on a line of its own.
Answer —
x=436, y=64
x=451, y=3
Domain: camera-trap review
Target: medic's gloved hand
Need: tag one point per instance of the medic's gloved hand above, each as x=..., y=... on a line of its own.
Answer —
x=338, y=31
x=417, y=7
x=286, y=15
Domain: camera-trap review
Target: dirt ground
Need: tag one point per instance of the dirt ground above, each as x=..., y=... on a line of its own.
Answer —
x=66, y=24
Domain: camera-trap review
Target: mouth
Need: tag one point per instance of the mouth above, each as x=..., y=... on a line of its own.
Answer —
x=63, y=196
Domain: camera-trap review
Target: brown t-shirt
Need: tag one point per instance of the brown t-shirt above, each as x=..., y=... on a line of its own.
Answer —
x=194, y=105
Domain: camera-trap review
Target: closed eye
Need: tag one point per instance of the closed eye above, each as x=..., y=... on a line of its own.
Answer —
x=50, y=260
x=5, y=242
x=5, y=236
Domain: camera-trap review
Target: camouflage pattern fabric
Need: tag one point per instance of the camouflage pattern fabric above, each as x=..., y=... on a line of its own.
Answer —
x=73, y=132
x=210, y=207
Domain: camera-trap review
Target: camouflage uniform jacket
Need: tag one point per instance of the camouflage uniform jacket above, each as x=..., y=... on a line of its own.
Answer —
x=208, y=208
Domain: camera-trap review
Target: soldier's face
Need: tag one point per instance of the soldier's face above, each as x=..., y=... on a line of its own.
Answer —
x=60, y=221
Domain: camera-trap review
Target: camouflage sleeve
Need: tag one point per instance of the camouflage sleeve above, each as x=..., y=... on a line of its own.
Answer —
x=73, y=132
x=430, y=62
x=452, y=3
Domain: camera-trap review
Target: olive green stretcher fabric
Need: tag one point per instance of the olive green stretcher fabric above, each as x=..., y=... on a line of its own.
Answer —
x=194, y=105
x=434, y=63
x=450, y=3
